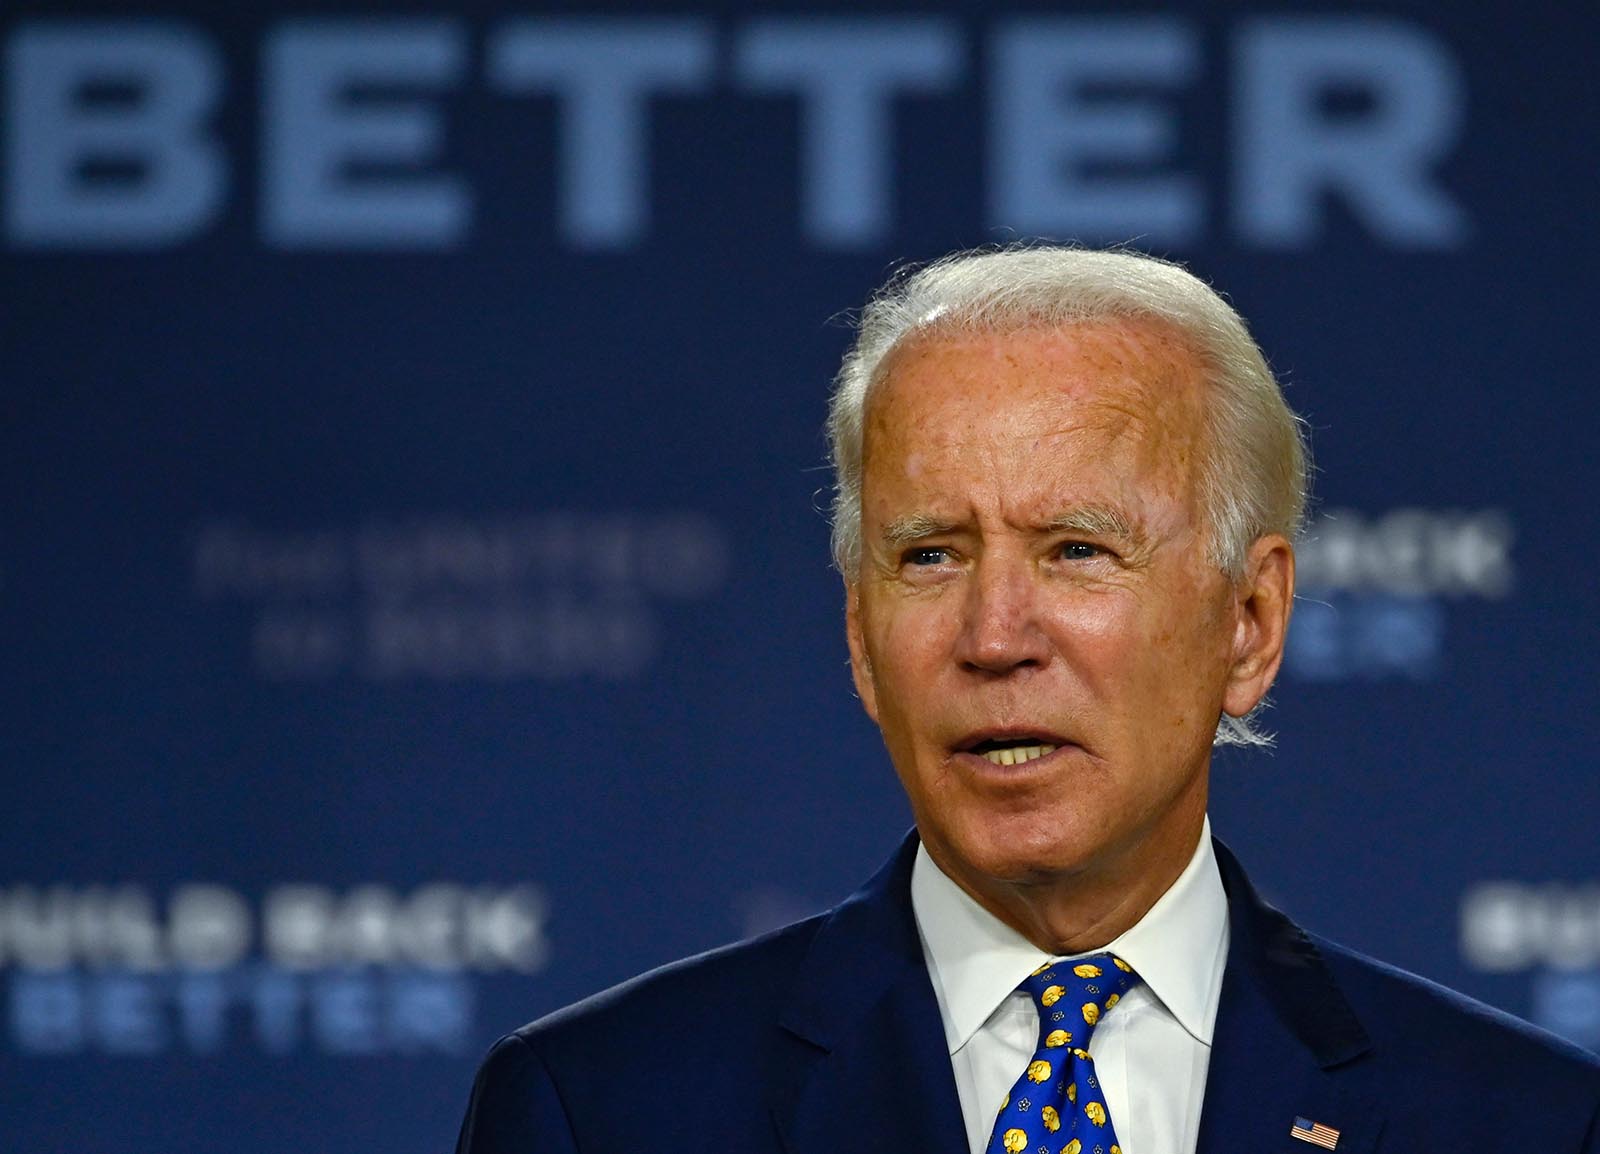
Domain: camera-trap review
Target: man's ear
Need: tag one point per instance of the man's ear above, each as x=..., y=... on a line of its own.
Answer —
x=1263, y=599
x=860, y=663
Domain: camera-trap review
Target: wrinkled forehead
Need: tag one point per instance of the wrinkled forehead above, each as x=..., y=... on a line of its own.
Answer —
x=1135, y=385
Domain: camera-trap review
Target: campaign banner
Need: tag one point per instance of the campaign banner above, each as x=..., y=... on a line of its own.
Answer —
x=414, y=583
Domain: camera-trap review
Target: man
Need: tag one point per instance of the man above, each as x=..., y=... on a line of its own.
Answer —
x=1067, y=490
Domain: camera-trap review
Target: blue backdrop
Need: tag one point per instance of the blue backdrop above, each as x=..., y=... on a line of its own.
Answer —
x=413, y=594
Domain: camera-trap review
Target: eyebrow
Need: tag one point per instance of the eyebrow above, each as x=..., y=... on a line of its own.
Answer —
x=902, y=531
x=1095, y=521
x=1090, y=520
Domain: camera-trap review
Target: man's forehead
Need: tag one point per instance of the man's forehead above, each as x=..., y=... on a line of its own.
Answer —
x=1132, y=381
x=1117, y=369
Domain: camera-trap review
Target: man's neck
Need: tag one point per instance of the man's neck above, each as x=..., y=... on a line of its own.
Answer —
x=1081, y=911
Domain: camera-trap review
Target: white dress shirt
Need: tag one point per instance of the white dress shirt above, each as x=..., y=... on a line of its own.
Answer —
x=1150, y=1053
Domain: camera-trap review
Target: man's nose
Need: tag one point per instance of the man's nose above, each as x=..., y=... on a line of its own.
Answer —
x=1001, y=630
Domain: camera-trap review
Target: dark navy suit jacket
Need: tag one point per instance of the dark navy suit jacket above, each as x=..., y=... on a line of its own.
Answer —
x=825, y=1038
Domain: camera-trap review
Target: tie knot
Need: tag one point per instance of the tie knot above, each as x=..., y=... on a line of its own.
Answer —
x=1072, y=996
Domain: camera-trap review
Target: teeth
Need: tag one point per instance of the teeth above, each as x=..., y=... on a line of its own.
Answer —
x=1017, y=754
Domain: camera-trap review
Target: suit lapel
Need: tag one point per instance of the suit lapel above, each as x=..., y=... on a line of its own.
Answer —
x=864, y=1065
x=1287, y=1044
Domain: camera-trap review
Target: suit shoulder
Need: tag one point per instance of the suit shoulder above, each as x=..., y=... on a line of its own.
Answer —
x=1410, y=1015
x=721, y=990
x=514, y=1106
x=691, y=1041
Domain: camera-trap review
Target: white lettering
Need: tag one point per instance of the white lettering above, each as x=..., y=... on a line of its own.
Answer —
x=1292, y=151
x=108, y=140
x=313, y=133
x=37, y=929
x=127, y=1015
x=1509, y=926
x=210, y=927
x=505, y=930
x=604, y=71
x=1049, y=137
x=347, y=1012
x=1495, y=921
x=295, y=923
x=440, y=927
x=1409, y=552
x=847, y=73
x=170, y=176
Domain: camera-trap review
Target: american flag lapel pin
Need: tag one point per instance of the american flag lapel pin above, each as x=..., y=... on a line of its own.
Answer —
x=1315, y=1133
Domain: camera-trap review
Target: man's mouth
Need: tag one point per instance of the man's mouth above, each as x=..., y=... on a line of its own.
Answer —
x=1012, y=749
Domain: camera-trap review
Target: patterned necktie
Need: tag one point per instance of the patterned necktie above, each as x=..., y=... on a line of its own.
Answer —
x=1057, y=1106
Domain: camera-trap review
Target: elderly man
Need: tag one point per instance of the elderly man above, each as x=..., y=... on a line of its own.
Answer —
x=1067, y=490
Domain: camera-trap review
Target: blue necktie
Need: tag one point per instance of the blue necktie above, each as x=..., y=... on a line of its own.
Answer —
x=1057, y=1106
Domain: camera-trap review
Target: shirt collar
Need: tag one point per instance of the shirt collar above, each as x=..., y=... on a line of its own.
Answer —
x=1179, y=947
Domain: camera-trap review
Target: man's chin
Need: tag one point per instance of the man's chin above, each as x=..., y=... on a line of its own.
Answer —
x=1014, y=856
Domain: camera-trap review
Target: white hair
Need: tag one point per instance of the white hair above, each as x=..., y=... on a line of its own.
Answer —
x=1255, y=466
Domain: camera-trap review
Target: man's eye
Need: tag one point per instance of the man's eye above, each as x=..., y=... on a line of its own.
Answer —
x=926, y=557
x=1080, y=550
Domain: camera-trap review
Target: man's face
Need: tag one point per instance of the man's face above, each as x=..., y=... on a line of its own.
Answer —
x=1034, y=575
